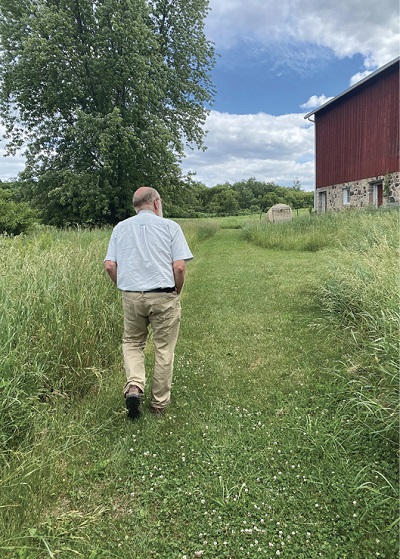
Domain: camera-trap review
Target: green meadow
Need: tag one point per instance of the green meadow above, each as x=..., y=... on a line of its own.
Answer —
x=282, y=436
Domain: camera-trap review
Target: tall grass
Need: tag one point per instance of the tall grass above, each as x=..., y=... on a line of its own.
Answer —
x=57, y=329
x=362, y=293
x=59, y=332
x=315, y=232
x=198, y=230
x=304, y=233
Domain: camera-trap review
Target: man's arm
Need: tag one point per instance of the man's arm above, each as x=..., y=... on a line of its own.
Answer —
x=179, y=267
x=111, y=269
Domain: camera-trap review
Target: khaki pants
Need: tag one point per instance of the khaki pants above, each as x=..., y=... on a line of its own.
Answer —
x=163, y=312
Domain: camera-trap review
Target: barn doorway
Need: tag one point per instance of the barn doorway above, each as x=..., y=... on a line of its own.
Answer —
x=322, y=202
x=377, y=194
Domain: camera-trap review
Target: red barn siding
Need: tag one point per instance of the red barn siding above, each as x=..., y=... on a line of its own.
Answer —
x=358, y=135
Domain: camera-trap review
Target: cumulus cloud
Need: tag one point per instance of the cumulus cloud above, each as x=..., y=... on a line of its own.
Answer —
x=270, y=148
x=360, y=76
x=363, y=27
x=315, y=101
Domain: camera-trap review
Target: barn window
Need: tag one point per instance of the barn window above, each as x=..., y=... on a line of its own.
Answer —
x=346, y=196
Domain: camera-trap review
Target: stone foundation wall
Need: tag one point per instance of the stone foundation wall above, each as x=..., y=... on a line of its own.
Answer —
x=374, y=191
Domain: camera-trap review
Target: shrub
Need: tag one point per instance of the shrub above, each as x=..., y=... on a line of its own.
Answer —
x=15, y=217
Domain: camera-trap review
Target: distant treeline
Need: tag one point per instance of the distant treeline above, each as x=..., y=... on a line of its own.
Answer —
x=245, y=196
x=20, y=205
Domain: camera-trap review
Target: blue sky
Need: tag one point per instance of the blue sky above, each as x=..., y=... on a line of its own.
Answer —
x=247, y=84
x=277, y=61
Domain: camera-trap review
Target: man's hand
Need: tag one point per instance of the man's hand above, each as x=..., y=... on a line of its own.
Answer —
x=111, y=269
x=179, y=267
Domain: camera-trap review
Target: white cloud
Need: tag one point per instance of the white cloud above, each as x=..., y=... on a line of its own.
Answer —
x=360, y=76
x=315, y=101
x=363, y=27
x=279, y=149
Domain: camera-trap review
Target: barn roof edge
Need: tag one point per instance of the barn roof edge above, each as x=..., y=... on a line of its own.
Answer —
x=373, y=74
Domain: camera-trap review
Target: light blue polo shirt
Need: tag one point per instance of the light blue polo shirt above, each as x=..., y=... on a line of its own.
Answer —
x=144, y=247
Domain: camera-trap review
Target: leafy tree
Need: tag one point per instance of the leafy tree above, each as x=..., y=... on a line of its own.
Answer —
x=104, y=93
x=246, y=196
x=226, y=202
x=182, y=199
x=296, y=185
x=298, y=199
x=270, y=199
x=15, y=217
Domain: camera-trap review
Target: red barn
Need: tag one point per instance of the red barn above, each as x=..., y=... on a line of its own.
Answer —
x=357, y=144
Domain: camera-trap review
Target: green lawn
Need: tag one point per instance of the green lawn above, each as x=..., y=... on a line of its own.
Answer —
x=249, y=461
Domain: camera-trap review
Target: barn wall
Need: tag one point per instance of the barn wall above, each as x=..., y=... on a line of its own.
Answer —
x=361, y=193
x=358, y=136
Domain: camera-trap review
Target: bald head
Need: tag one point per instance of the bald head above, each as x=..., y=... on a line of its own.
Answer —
x=146, y=198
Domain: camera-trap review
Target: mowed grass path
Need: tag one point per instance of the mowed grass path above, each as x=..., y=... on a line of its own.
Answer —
x=249, y=315
x=248, y=460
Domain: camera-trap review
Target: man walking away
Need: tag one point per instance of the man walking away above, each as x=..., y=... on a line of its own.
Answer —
x=146, y=259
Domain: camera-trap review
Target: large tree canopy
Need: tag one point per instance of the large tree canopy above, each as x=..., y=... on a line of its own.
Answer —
x=104, y=94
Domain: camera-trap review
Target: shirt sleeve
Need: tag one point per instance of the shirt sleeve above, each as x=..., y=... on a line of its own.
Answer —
x=112, y=248
x=180, y=248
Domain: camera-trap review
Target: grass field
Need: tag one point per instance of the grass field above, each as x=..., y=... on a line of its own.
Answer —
x=282, y=436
